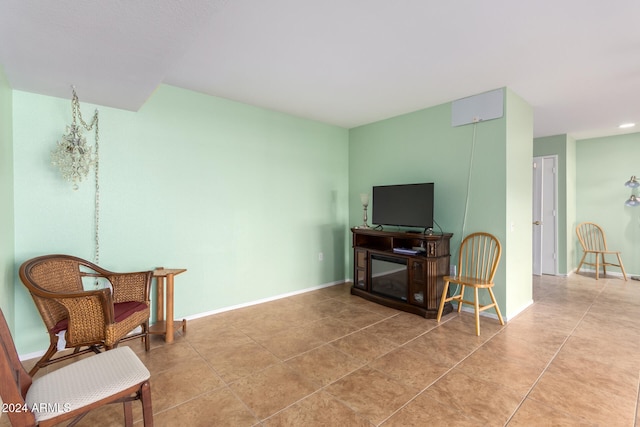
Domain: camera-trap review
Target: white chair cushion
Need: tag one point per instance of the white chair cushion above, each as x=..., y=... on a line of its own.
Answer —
x=84, y=382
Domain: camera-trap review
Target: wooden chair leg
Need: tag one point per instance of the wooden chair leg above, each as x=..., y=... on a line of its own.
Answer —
x=147, y=345
x=495, y=304
x=477, y=310
x=604, y=266
x=461, y=298
x=581, y=262
x=145, y=399
x=443, y=300
x=128, y=413
x=53, y=348
x=624, y=273
x=597, y=265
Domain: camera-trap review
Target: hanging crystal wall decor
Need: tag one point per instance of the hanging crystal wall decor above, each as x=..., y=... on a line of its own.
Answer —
x=73, y=156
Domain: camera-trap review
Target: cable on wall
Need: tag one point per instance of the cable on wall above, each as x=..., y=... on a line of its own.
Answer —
x=466, y=202
x=96, y=163
x=74, y=157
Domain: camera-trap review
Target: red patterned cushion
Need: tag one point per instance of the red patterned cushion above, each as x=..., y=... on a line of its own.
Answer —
x=122, y=310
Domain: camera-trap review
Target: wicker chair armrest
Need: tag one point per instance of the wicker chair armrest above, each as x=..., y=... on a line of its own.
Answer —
x=131, y=286
x=89, y=313
x=43, y=293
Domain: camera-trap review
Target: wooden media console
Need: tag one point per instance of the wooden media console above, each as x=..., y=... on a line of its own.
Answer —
x=401, y=270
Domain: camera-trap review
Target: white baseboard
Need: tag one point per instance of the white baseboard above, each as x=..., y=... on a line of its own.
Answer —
x=33, y=355
x=39, y=354
x=593, y=271
x=263, y=300
x=469, y=309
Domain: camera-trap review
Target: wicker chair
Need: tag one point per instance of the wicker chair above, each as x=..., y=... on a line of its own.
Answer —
x=73, y=390
x=92, y=318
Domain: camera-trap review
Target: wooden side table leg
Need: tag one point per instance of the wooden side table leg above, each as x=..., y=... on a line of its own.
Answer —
x=169, y=332
x=160, y=307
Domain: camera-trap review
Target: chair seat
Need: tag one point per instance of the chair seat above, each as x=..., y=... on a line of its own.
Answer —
x=602, y=252
x=121, y=310
x=469, y=281
x=86, y=381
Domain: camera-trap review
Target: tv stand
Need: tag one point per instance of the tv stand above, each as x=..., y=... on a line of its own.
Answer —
x=403, y=280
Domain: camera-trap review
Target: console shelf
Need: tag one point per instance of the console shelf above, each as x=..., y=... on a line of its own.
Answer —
x=404, y=281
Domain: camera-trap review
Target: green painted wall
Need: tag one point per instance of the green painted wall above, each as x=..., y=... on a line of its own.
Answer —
x=603, y=166
x=7, y=255
x=564, y=147
x=572, y=209
x=423, y=147
x=517, y=245
x=244, y=198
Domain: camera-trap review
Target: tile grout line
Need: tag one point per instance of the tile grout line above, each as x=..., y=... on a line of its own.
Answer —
x=535, y=383
x=324, y=387
x=283, y=363
x=635, y=419
x=226, y=384
x=366, y=363
x=444, y=373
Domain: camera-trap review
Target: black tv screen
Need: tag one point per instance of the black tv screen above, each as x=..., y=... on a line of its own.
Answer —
x=408, y=205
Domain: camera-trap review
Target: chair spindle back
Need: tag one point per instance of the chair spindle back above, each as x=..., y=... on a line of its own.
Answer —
x=479, y=256
x=591, y=237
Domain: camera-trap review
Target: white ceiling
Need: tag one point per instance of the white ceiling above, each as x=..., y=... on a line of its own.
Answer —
x=344, y=62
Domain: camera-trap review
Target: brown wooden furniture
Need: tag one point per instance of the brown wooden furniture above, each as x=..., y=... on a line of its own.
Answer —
x=93, y=318
x=404, y=281
x=166, y=326
x=73, y=390
x=477, y=264
x=593, y=241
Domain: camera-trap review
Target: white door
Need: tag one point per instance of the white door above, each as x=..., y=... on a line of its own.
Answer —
x=537, y=216
x=545, y=218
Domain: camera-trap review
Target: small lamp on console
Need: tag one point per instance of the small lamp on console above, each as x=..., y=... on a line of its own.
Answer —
x=364, y=199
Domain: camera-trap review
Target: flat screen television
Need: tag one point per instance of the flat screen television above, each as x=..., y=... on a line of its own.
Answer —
x=407, y=205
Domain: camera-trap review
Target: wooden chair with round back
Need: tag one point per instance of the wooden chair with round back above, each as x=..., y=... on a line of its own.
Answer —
x=594, y=242
x=477, y=264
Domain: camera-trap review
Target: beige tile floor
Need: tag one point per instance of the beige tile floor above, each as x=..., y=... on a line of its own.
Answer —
x=326, y=358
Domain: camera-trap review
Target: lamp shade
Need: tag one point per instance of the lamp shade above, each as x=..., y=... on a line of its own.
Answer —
x=632, y=202
x=632, y=183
